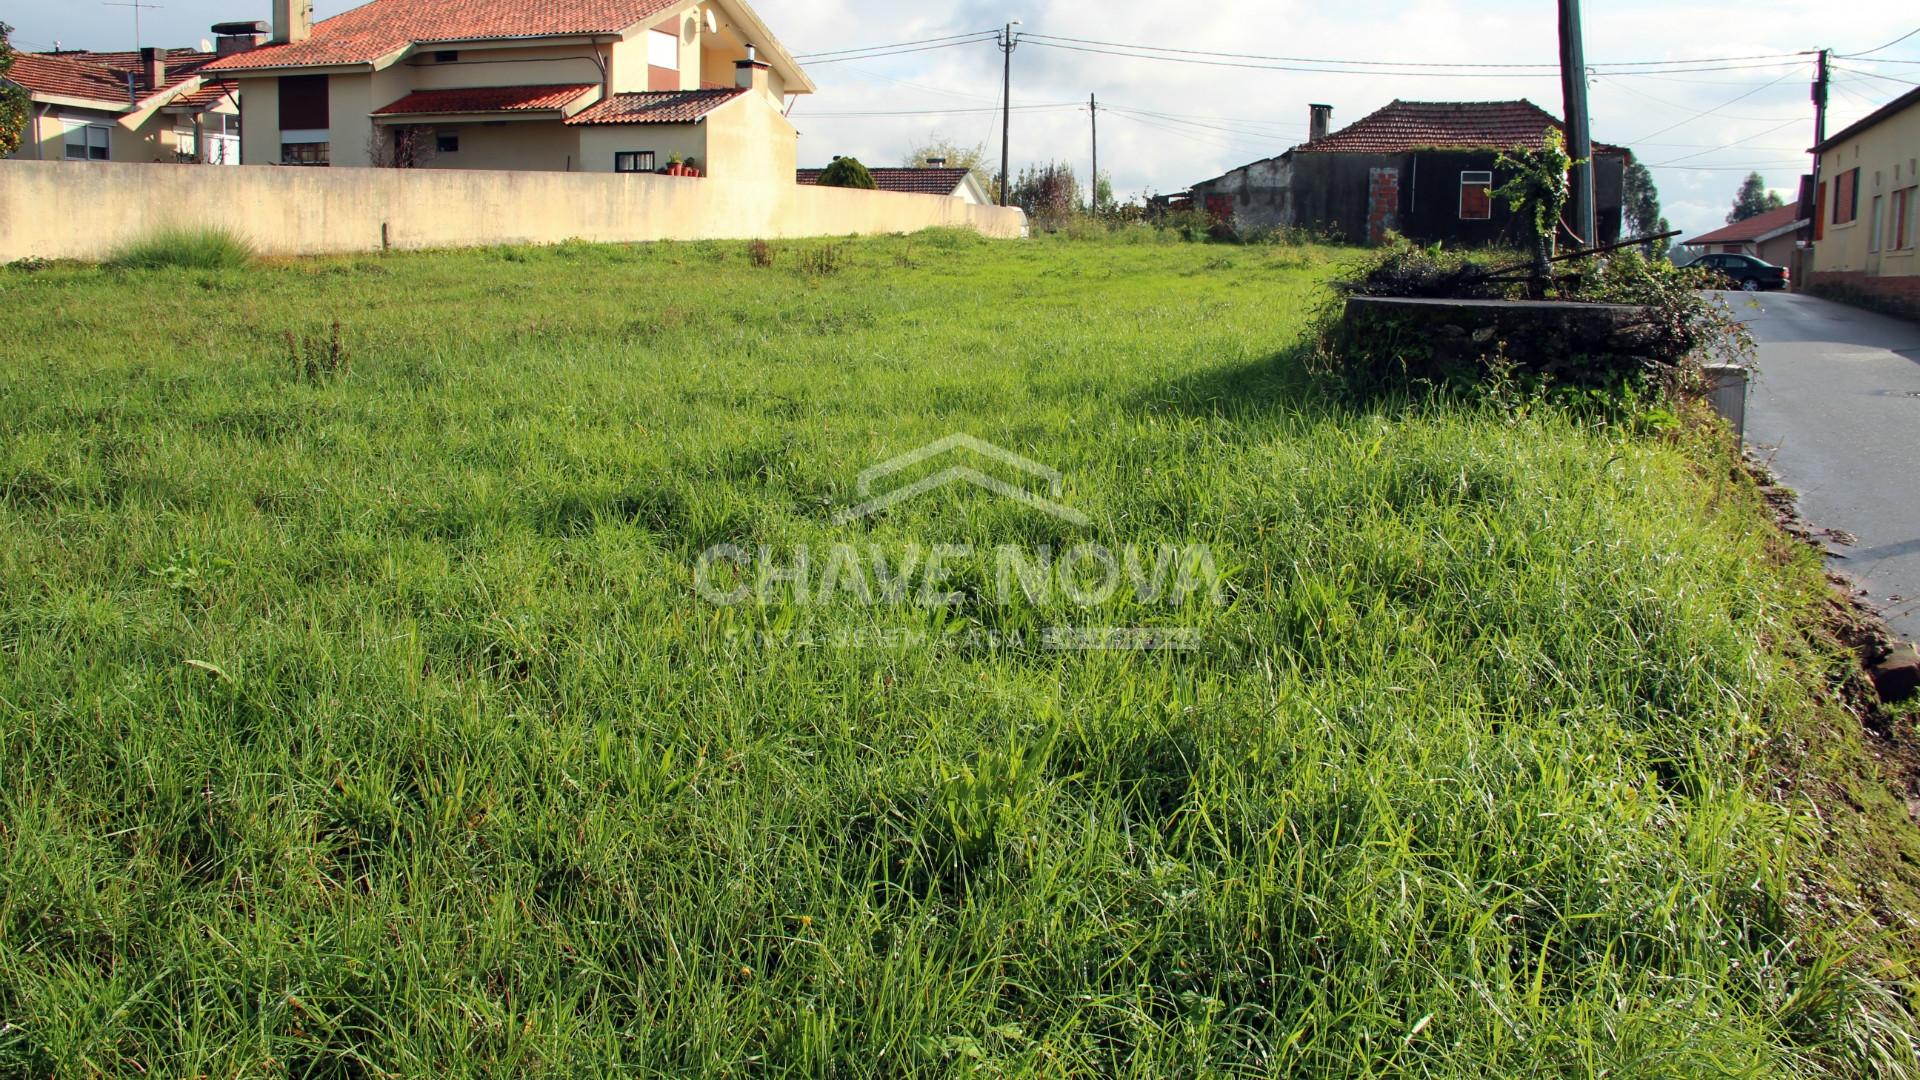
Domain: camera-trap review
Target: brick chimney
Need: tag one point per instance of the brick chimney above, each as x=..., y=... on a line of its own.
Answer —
x=153, y=67
x=1320, y=119
x=232, y=38
x=292, y=21
x=751, y=73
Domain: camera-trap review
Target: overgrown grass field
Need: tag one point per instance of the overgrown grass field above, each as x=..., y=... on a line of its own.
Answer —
x=360, y=717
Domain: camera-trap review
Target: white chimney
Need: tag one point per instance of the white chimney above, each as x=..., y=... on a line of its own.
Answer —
x=292, y=21
x=751, y=73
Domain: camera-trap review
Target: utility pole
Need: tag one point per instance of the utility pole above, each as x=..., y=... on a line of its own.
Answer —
x=1573, y=84
x=1820, y=83
x=1093, y=111
x=1007, y=44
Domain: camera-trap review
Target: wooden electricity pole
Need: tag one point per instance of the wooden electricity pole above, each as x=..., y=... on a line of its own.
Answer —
x=1007, y=44
x=1093, y=110
x=1573, y=83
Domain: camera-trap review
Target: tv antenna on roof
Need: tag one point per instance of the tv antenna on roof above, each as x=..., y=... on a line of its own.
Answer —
x=137, y=7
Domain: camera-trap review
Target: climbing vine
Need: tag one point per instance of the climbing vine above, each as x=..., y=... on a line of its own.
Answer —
x=1537, y=190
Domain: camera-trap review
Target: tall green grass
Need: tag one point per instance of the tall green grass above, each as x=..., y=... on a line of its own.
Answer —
x=176, y=247
x=372, y=725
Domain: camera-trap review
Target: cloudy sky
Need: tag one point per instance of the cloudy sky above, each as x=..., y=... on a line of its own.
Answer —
x=1702, y=125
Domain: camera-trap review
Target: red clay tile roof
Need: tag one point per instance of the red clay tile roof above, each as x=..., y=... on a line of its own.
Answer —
x=664, y=107
x=922, y=181
x=1444, y=125
x=99, y=76
x=210, y=94
x=1753, y=228
x=375, y=30
x=485, y=99
x=68, y=78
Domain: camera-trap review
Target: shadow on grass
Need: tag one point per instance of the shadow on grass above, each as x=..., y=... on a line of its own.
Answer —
x=1277, y=385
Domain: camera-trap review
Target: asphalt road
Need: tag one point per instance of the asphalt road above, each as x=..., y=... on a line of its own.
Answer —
x=1836, y=408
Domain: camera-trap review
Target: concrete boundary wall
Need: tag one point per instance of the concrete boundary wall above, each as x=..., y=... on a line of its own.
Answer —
x=63, y=210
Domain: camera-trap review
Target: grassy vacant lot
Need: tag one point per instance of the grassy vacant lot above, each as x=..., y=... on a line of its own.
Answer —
x=367, y=722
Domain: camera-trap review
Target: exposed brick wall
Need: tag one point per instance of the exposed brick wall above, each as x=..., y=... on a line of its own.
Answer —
x=1383, y=203
x=1895, y=294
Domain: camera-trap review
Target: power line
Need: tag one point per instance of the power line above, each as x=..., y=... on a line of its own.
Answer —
x=1872, y=75
x=1710, y=112
x=1883, y=48
x=1728, y=146
x=1422, y=73
x=938, y=112
x=895, y=45
x=1553, y=67
x=897, y=52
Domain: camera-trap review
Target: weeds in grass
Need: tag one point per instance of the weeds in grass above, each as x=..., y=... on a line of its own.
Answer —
x=760, y=254
x=822, y=261
x=185, y=248
x=315, y=359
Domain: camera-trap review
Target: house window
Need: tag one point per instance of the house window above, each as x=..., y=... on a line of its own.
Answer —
x=1846, y=197
x=446, y=56
x=1476, y=196
x=446, y=143
x=304, y=153
x=663, y=51
x=636, y=161
x=186, y=142
x=1902, y=223
x=1873, y=225
x=88, y=142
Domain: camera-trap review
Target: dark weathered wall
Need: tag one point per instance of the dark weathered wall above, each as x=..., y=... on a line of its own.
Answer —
x=1261, y=193
x=1331, y=191
x=1430, y=207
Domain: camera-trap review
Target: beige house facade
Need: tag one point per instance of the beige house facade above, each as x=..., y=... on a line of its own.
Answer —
x=154, y=106
x=553, y=85
x=1867, y=228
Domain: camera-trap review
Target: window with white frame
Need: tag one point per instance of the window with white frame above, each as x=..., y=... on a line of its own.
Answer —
x=88, y=142
x=634, y=161
x=186, y=142
x=1476, y=196
x=663, y=51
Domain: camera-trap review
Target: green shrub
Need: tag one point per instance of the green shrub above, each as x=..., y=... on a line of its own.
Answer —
x=192, y=249
x=1661, y=351
x=847, y=172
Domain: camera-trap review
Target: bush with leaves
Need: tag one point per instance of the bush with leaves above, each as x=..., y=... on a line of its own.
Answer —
x=846, y=172
x=1050, y=194
x=15, y=106
x=1537, y=190
x=1679, y=328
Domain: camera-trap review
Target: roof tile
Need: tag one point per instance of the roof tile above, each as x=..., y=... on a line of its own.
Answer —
x=99, y=76
x=486, y=99
x=1445, y=125
x=662, y=107
x=375, y=30
x=1753, y=228
x=916, y=181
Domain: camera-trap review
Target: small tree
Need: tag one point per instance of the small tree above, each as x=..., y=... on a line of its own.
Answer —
x=1642, y=209
x=971, y=158
x=1538, y=191
x=405, y=147
x=1753, y=199
x=847, y=172
x=1050, y=194
x=15, y=106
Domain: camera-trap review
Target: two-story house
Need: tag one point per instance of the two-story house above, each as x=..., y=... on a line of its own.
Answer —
x=549, y=85
x=154, y=105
